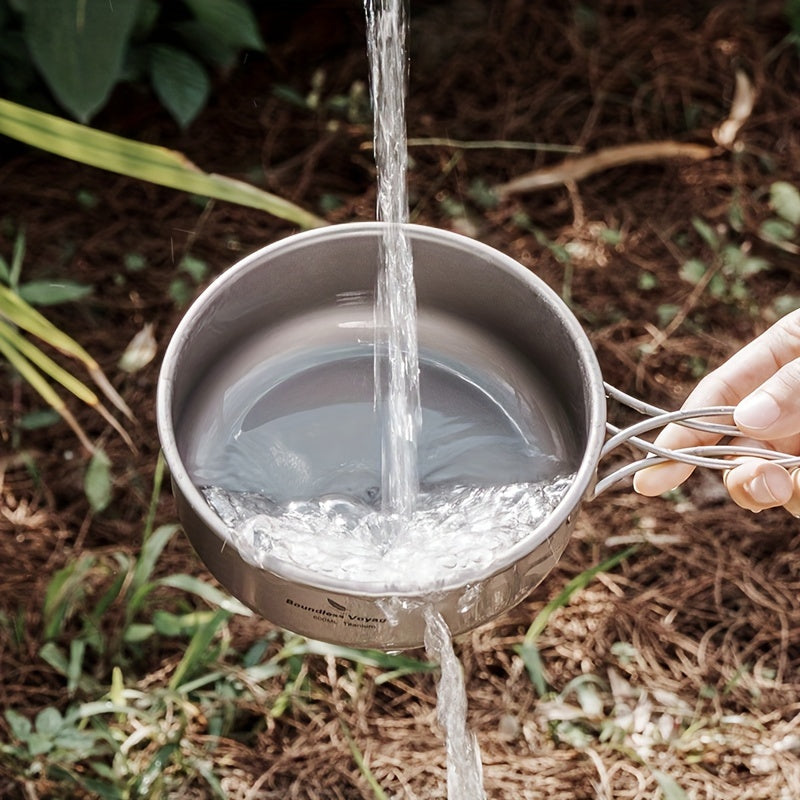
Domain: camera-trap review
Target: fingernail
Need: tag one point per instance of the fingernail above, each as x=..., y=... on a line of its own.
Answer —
x=760, y=490
x=757, y=411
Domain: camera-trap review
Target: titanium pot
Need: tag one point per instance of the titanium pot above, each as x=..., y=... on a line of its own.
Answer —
x=453, y=274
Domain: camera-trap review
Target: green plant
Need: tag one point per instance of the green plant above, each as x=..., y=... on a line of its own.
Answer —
x=528, y=650
x=726, y=273
x=138, y=160
x=32, y=363
x=611, y=713
x=81, y=50
x=783, y=229
x=354, y=106
x=131, y=728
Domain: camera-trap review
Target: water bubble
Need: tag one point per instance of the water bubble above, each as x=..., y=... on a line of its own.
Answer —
x=453, y=531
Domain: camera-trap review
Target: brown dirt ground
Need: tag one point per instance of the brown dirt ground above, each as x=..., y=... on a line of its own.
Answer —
x=711, y=600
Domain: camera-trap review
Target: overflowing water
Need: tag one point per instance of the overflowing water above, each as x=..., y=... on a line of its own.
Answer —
x=464, y=768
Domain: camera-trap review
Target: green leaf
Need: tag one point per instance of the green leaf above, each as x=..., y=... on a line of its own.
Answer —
x=785, y=200
x=20, y=726
x=195, y=267
x=693, y=271
x=784, y=304
x=17, y=257
x=169, y=624
x=79, y=742
x=49, y=721
x=792, y=11
x=717, y=286
x=63, y=590
x=138, y=632
x=610, y=236
x=752, y=265
x=38, y=744
x=137, y=160
x=77, y=648
x=179, y=292
x=180, y=81
x=670, y=788
x=54, y=656
x=148, y=781
x=189, y=583
x=777, y=230
x=50, y=293
x=529, y=653
x=707, y=233
x=146, y=18
x=205, y=44
x=150, y=552
x=198, y=653
x=79, y=47
x=43, y=418
x=647, y=281
x=232, y=21
x=97, y=482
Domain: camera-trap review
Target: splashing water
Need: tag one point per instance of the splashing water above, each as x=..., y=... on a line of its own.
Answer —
x=452, y=532
x=396, y=353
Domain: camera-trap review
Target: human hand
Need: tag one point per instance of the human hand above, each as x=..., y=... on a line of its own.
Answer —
x=763, y=381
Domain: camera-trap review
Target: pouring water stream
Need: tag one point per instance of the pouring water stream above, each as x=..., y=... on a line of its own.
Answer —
x=400, y=406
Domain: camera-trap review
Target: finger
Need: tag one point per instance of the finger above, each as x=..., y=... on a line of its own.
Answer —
x=773, y=410
x=793, y=506
x=755, y=363
x=661, y=478
x=737, y=378
x=775, y=355
x=756, y=484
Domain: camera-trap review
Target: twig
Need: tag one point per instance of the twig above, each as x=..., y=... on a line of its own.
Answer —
x=575, y=169
x=485, y=144
x=493, y=144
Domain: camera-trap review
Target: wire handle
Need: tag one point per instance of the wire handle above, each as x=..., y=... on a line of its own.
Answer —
x=709, y=456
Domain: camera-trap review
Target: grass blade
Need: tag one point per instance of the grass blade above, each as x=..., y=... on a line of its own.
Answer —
x=579, y=582
x=44, y=390
x=362, y=765
x=138, y=160
x=528, y=651
x=198, y=652
x=25, y=316
x=76, y=387
x=151, y=550
x=209, y=593
x=46, y=364
x=398, y=663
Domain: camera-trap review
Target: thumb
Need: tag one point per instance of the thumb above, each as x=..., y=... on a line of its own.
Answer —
x=773, y=410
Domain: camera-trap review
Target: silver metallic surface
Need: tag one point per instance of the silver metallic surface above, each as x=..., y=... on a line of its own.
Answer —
x=453, y=274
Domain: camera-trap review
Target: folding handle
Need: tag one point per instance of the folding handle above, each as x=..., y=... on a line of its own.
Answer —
x=710, y=456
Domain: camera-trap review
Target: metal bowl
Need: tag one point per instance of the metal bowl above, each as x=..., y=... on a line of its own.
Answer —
x=453, y=274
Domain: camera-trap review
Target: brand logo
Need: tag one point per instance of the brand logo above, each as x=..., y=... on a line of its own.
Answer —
x=338, y=613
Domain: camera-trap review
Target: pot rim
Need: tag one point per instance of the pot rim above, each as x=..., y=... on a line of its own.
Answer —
x=578, y=491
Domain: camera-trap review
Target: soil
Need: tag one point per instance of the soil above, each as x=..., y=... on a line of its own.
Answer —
x=696, y=636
